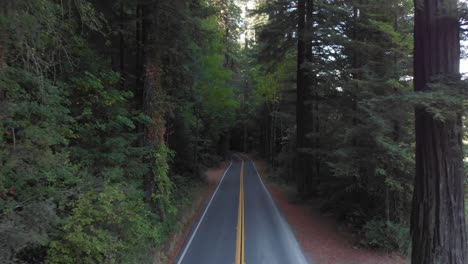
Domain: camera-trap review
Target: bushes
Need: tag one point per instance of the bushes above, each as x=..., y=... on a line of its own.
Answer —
x=73, y=161
x=164, y=186
x=112, y=225
x=387, y=236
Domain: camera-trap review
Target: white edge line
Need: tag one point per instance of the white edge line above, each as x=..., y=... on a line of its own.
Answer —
x=278, y=212
x=201, y=219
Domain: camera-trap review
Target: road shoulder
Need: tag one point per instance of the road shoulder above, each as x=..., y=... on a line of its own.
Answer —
x=201, y=194
x=320, y=236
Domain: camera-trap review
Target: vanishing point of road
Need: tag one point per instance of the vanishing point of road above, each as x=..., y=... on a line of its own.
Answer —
x=241, y=224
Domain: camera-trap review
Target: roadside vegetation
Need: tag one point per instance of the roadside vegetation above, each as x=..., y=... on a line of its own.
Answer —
x=111, y=110
x=336, y=116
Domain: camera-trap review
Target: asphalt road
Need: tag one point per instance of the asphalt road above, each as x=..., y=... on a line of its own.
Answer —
x=247, y=230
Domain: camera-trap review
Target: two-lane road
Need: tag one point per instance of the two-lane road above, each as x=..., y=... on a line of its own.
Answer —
x=241, y=224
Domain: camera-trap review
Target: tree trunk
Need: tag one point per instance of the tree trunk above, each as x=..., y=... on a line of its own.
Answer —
x=311, y=110
x=122, y=45
x=272, y=134
x=224, y=144
x=306, y=167
x=2, y=52
x=301, y=173
x=139, y=54
x=152, y=94
x=197, y=139
x=438, y=222
x=245, y=137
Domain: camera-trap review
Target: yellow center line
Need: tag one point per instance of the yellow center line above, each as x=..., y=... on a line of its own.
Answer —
x=240, y=242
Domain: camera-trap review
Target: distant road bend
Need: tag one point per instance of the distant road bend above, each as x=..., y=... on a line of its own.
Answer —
x=241, y=224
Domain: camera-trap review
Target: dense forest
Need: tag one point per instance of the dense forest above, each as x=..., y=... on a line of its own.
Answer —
x=108, y=108
x=110, y=111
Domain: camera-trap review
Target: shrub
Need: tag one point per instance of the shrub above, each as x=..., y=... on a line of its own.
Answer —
x=387, y=236
x=108, y=226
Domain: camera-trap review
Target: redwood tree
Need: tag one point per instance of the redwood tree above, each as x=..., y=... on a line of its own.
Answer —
x=301, y=94
x=438, y=222
x=153, y=94
x=306, y=168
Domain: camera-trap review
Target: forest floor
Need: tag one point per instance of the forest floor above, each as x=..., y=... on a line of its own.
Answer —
x=201, y=193
x=322, y=238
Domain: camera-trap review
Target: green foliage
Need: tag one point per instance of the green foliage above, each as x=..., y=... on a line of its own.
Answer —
x=37, y=173
x=164, y=186
x=72, y=154
x=359, y=105
x=387, y=236
x=104, y=138
x=213, y=85
x=205, y=107
x=391, y=35
x=25, y=235
x=270, y=86
x=35, y=124
x=109, y=225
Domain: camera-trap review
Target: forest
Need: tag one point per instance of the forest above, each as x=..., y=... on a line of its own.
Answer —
x=110, y=112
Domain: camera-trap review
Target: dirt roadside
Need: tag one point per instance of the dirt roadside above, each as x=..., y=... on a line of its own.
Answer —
x=321, y=237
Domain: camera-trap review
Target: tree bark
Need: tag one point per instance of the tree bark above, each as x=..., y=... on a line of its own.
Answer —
x=152, y=94
x=306, y=167
x=2, y=53
x=311, y=114
x=139, y=54
x=301, y=173
x=244, y=143
x=197, y=137
x=438, y=222
x=122, y=45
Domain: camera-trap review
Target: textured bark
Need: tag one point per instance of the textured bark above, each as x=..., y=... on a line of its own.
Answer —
x=139, y=54
x=244, y=138
x=224, y=145
x=311, y=115
x=152, y=93
x=2, y=53
x=301, y=173
x=438, y=223
x=122, y=43
x=306, y=173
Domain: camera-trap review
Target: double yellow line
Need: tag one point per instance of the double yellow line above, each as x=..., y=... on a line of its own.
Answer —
x=240, y=242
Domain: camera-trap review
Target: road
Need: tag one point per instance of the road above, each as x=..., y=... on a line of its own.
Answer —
x=241, y=224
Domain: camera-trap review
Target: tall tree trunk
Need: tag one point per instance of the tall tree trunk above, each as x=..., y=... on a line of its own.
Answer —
x=301, y=173
x=226, y=16
x=122, y=44
x=139, y=53
x=197, y=137
x=311, y=103
x=2, y=52
x=389, y=194
x=355, y=67
x=306, y=168
x=438, y=222
x=152, y=94
x=244, y=148
x=224, y=144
